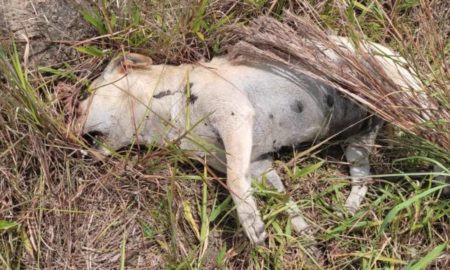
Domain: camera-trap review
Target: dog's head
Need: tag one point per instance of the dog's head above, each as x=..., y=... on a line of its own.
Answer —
x=117, y=108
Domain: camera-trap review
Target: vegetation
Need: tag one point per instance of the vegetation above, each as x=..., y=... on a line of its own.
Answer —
x=64, y=207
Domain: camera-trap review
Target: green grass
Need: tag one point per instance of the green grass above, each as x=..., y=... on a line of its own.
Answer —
x=159, y=209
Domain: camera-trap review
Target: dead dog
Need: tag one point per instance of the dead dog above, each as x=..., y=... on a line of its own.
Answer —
x=236, y=115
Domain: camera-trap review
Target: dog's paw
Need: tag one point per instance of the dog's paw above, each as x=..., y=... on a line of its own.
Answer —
x=353, y=202
x=253, y=226
x=299, y=225
x=351, y=207
x=256, y=233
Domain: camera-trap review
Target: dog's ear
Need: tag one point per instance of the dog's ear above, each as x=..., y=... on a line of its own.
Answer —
x=134, y=60
x=121, y=63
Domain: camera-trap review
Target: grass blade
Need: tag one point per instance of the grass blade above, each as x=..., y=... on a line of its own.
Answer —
x=122, y=252
x=187, y=212
x=391, y=215
x=7, y=225
x=422, y=263
x=307, y=170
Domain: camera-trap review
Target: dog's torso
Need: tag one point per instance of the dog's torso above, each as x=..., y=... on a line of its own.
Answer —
x=289, y=109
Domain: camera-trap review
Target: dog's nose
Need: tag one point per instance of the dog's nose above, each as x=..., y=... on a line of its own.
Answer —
x=81, y=113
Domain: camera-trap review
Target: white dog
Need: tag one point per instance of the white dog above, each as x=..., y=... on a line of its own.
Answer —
x=234, y=114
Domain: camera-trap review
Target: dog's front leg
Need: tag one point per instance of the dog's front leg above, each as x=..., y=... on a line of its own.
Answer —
x=236, y=133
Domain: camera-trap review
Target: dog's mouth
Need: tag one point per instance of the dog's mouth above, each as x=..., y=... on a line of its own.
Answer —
x=93, y=138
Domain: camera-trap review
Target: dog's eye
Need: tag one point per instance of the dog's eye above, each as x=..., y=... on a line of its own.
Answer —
x=93, y=138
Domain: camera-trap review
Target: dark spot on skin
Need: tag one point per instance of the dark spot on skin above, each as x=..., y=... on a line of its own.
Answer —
x=205, y=124
x=186, y=88
x=297, y=106
x=274, y=142
x=329, y=100
x=162, y=94
x=192, y=98
x=271, y=116
x=232, y=113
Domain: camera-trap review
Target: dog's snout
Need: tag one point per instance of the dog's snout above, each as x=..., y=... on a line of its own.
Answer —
x=93, y=138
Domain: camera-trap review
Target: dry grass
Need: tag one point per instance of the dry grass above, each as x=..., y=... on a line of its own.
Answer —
x=63, y=209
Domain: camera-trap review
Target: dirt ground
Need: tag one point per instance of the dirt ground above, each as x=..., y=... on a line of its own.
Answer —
x=44, y=30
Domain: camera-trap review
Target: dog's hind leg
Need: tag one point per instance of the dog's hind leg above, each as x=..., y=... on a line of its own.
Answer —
x=357, y=154
x=263, y=168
